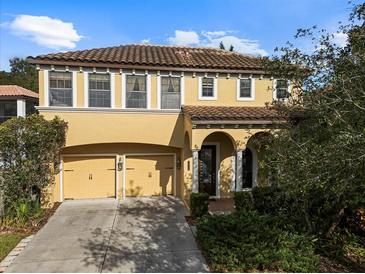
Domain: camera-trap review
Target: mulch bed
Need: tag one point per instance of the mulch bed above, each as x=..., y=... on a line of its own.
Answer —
x=34, y=225
x=191, y=221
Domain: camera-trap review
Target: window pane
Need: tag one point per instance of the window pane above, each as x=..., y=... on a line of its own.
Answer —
x=60, y=88
x=207, y=87
x=7, y=110
x=136, y=91
x=245, y=88
x=170, y=92
x=282, y=87
x=99, y=90
x=30, y=107
x=60, y=97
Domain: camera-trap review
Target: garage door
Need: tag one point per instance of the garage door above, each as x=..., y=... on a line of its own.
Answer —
x=149, y=175
x=88, y=177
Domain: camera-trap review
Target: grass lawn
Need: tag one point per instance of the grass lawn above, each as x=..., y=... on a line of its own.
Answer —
x=8, y=241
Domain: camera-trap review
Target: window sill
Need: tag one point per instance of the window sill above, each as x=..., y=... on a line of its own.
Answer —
x=207, y=98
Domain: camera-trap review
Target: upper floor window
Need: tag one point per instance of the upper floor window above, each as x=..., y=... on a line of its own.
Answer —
x=170, y=92
x=60, y=88
x=99, y=90
x=245, y=89
x=282, y=89
x=136, y=91
x=207, y=88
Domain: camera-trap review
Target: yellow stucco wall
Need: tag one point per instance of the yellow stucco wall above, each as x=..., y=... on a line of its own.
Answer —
x=80, y=89
x=116, y=127
x=118, y=91
x=41, y=87
x=227, y=93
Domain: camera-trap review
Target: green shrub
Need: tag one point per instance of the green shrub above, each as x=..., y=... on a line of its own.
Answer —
x=266, y=199
x=252, y=242
x=276, y=201
x=243, y=201
x=29, y=152
x=199, y=203
x=21, y=212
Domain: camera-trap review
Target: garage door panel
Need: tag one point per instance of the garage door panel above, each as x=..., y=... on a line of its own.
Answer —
x=149, y=175
x=89, y=177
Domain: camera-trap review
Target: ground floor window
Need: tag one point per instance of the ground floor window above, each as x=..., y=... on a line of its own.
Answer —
x=8, y=109
x=247, y=168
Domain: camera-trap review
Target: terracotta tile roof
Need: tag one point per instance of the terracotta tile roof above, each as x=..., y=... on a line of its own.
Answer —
x=214, y=113
x=156, y=55
x=13, y=90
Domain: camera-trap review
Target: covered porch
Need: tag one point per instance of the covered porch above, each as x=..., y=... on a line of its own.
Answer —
x=222, y=149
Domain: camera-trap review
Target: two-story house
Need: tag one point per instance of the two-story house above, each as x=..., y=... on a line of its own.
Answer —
x=157, y=120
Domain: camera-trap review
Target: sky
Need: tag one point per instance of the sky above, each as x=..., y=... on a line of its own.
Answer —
x=34, y=27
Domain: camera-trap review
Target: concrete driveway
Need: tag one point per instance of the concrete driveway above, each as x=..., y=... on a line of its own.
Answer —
x=135, y=235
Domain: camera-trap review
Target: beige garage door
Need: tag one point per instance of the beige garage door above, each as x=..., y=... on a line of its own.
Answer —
x=88, y=177
x=149, y=175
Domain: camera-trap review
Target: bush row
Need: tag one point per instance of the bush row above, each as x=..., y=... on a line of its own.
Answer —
x=251, y=242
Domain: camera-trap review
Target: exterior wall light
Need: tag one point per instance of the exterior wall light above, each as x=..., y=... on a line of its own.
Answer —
x=120, y=164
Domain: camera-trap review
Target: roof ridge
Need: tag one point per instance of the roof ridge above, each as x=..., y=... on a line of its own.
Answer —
x=179, y=56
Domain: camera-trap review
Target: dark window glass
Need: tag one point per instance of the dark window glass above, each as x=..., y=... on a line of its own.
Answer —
x=99, y=90
x=7, y=110
x=136, y=91
x=245, y=88
x=30, y=107
x=170, y=92
x=247, y=168
x=208, y=87
x=60, y=89
x=282, y=89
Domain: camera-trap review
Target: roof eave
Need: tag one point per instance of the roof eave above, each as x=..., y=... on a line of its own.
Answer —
x=239, y=122
x=142, y=67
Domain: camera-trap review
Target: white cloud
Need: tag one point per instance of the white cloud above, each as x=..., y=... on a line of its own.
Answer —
x=146, y=41
x=340, y=39
x=213, y=39
x=217, y=33
x=240, y=45
x=184, y=38
x=45, y=31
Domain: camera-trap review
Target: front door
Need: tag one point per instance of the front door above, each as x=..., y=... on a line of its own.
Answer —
x=207, y=169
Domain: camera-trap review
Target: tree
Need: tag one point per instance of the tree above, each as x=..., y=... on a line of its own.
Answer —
x=221, y=46
x=21, y=73
x=321, y=157
x=28, y=147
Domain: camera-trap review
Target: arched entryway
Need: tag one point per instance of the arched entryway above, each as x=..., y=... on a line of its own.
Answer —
x=215, y=173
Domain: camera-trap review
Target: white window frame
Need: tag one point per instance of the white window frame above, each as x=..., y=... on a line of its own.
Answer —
x=182, y=91
x=124, y=90
x=74, y=88
x=215, y=90
x=252, y=97
x=112, y=88
x=275, y=91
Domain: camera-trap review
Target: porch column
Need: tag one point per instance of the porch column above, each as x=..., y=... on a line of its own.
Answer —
x=239, y=170
x=195, y=186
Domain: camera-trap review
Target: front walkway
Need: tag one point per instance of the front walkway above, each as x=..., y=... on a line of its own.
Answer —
x=136, y=235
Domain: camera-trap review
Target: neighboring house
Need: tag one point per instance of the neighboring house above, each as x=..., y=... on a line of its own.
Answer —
x=16, y=101
x=155, y=120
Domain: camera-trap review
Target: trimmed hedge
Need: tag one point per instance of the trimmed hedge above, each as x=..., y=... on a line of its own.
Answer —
x=199, y=203
x=250, y=242
x=243, y=201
